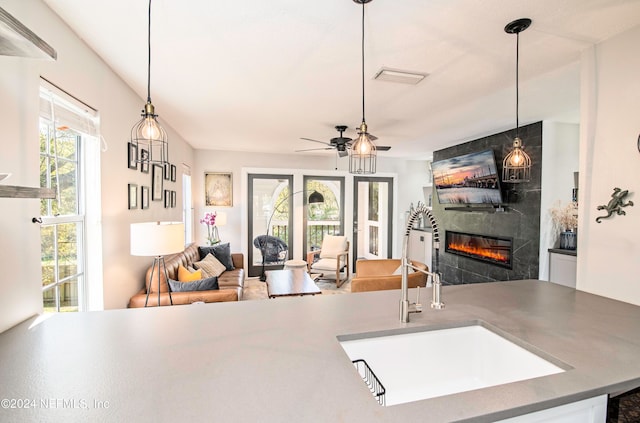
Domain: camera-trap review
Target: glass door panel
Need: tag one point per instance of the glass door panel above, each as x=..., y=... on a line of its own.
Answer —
x=373, y=211
x=270, y=201
x=326, y=218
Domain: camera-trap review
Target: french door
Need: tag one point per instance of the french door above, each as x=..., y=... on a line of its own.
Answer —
x=372, y=218
x=270, y=203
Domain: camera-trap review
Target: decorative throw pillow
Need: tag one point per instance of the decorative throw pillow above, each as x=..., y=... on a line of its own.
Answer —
x=198, y=285
x=185, y=275
x=210, y=266
x=220, y=251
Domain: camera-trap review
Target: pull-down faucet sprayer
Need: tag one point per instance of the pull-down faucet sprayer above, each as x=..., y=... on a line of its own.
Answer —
x=436, y=303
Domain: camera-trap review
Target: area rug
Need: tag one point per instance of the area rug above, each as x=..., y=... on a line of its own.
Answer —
x=256, y=290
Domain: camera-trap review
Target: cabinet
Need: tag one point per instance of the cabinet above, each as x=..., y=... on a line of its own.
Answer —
x=420, y=246
x=562, y=267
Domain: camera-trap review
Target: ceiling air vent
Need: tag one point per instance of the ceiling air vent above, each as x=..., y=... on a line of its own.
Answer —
x=401, y=76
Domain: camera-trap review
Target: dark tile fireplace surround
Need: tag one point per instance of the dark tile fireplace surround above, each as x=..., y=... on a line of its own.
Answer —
x=515, y=230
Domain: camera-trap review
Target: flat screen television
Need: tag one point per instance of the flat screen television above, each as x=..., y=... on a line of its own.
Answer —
x=468, y=179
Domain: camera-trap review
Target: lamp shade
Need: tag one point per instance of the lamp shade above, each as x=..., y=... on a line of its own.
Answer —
x=156, y=238
x=316, y=198
x=221, y=218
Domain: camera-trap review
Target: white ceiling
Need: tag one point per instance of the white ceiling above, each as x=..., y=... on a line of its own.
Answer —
x=256, y=75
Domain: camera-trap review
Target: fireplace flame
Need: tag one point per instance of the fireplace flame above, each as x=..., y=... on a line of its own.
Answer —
x=480, y=252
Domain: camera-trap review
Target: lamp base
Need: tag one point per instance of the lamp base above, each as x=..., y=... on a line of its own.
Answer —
x=158, y=262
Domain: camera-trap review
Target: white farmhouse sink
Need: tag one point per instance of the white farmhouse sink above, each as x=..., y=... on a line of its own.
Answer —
x=434, y=362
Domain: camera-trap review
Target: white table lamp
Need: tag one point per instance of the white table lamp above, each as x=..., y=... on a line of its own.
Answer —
x=157, y=239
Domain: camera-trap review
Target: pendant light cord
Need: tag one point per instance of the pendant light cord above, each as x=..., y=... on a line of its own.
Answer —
x=149, y=56
x=362, y=54
x=517, y=85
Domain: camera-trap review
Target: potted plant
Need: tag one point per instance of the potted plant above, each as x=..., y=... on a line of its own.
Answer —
x=209, y=219
x=565, y=219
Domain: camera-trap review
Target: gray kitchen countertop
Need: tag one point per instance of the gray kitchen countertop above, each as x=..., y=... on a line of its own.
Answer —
x=279, y=360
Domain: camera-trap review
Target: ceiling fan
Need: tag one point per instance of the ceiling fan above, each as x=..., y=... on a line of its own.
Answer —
x=341, y=143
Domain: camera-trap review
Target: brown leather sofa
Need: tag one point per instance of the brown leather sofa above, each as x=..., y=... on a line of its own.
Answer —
x=231, y=282
x=377, y=275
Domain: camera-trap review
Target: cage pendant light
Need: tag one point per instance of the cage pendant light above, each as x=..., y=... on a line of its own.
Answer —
x=148, y=136
x=362, y=153
x=516, y=166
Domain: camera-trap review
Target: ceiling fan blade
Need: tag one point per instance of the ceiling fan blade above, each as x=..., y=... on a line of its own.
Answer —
x=321, y=142
x=383, y=147
x=314, y=149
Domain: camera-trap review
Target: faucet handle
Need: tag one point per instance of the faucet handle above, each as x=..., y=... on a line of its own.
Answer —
x=418, y=305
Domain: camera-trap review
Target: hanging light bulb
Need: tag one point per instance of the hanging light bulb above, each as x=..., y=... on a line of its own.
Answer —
x=150, y=129
x=362, y=153
x=516, y=166
x=148, y=134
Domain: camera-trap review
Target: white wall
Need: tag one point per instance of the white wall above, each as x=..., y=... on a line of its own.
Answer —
x=609, y=252
x=82, y=73
x=20, y=294
x=560, y=159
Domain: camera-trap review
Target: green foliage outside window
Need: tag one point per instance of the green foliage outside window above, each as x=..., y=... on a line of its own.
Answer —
x=59, y=169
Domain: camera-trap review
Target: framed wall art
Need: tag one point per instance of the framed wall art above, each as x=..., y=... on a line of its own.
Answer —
x=157, y=176
x=144, y=194
x=167, y=198
x=132, y=156
x=218, y=189
x=144, y=161
x=173, y=173
x=167, y=171
x=173, y=199
x=133, y=196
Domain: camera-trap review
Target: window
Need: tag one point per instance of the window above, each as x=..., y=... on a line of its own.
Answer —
x=327, y=218
x=187, y=206
x=69, y=146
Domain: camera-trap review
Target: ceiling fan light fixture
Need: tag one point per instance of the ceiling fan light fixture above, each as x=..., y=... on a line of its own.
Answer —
x=516, y=166
x=147, y=134
x=362, y=152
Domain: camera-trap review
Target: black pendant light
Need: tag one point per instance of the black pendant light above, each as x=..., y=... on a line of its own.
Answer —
x=362, y=153
x=516, y=166
x=148, y=134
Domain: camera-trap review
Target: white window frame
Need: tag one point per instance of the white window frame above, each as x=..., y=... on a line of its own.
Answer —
x=60, y=108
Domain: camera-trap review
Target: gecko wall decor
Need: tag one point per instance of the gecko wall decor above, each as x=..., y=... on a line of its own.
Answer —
x=615, y=205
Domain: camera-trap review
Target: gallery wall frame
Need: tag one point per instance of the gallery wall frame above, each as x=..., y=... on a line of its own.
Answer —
x=173, y=173
x=132, y=156
x=144, y=195
x=132, y=195
x=157, y=177
x=218, y=189
x=144, y=160
x=173, y=199
x=167, y=198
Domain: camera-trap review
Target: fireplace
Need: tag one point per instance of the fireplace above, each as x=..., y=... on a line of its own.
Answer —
x=489, y=249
